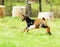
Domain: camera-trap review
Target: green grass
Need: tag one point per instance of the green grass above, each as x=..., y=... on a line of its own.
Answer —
x=12, y=35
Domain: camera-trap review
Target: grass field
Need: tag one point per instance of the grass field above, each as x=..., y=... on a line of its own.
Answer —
x=12, y=35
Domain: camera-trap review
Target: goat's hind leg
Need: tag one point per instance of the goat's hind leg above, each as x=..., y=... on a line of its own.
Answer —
x=47, y=29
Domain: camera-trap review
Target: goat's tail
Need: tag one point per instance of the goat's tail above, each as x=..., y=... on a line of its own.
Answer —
x=43, y=19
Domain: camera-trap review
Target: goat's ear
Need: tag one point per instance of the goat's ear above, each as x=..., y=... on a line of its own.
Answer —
x=23, y=15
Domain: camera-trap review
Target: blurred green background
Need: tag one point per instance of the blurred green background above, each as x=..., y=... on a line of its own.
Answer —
x=35, y=6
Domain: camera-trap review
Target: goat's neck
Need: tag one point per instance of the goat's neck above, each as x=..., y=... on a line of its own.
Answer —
x=28, y=20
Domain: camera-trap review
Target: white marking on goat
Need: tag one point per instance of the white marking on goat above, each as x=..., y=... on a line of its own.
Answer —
x=31, y=27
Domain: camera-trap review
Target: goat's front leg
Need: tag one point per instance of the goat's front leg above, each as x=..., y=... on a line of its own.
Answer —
x=26, y=30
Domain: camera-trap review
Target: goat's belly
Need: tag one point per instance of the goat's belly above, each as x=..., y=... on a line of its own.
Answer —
x=31, y=27
x=41, y=25
x=35, y=26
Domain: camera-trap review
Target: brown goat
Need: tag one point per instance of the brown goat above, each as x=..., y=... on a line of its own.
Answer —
x=38, y=23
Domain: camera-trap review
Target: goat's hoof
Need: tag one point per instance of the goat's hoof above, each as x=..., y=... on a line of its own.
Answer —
x=49, y=33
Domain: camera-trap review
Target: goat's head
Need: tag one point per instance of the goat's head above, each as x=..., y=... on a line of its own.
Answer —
x=24, y=17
